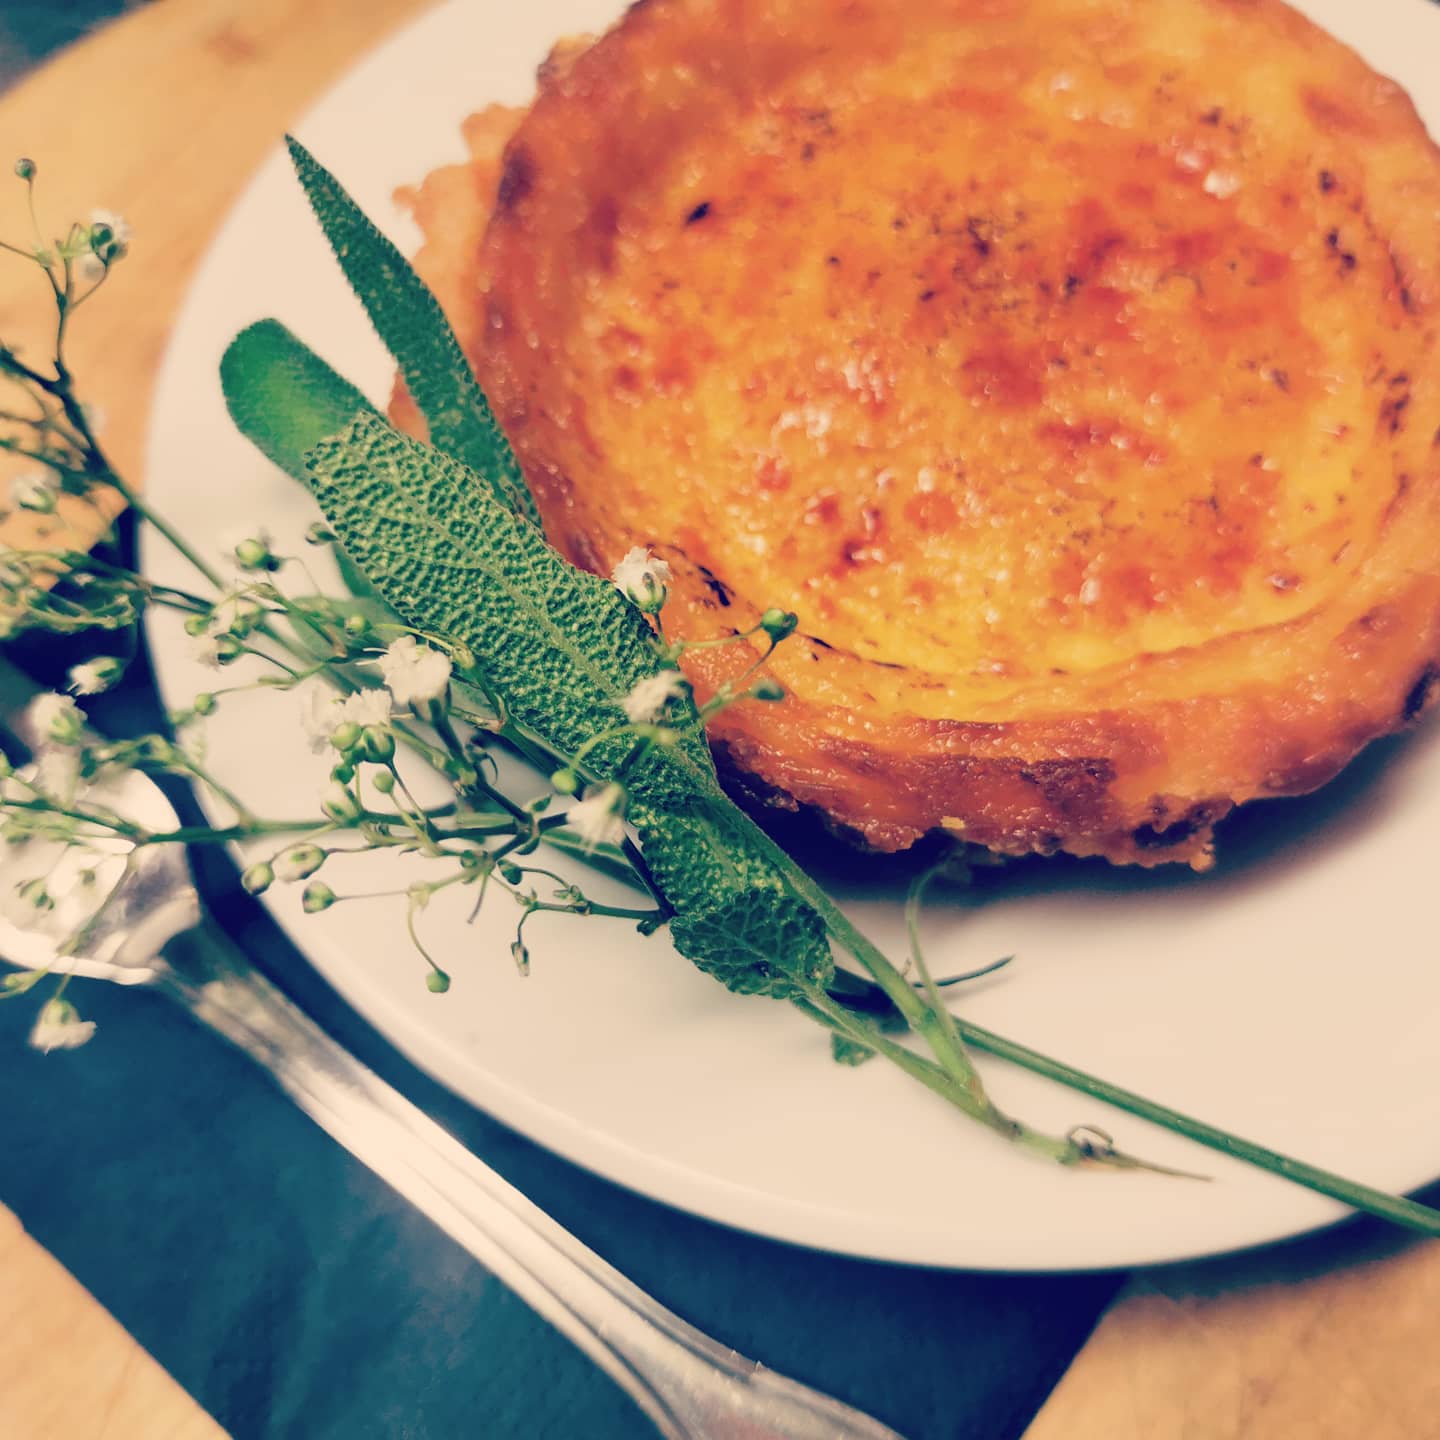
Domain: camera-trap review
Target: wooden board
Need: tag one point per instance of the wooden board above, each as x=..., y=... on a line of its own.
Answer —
x=70, y=1372
x=1328, y=1340
x=1332, y=1338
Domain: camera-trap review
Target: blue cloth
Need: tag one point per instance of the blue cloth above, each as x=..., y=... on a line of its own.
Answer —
x=293, y=1294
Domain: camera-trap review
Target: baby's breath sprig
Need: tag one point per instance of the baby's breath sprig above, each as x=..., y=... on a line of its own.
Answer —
x=368, y=687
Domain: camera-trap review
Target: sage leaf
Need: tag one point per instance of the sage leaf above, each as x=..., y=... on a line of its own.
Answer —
x=559, y=648
x=752, y=939
x=408, y=318
x=285, y=399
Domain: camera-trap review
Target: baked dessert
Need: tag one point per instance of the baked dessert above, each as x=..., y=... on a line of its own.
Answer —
x=1069, y=367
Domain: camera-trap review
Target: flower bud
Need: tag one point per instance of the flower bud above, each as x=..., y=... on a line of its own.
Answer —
x=204, y=704
x=383, y=781
x=59, y=1027
x=437, y=982
x=566, y=782
x=227, y=649
x=34, y=894
x=356, y=626
x=318, y=896
x=97, y=675
x=511, y=873
x=320, y=534
x=25, y=168
x=254, y=554
x=642, y=578
x=196, y=625
x=767, y=689
x=346, y=736
x=258, y=878
x=344, y=772
x=300, y=862
x=377, y=744
x=339, y=804
x=520, y=955
x=779, y=624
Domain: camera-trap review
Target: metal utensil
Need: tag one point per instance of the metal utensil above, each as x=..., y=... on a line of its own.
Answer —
x=154, y=932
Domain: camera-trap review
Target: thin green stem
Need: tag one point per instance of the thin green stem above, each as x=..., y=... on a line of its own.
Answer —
x=924, y=1019
x=163, y=527
x=1408, y=1213
x=110, y=821
x=594, y=907
x=225, y=835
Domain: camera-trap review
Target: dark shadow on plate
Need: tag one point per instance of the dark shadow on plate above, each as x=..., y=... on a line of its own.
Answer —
x=1255, y=845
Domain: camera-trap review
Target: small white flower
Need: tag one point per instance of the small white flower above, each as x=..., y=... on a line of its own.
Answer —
x=94, y=676
x=57, y=773
x=647, y=701
x=121, y=231
x=322, y=712
x=205, y=649
x=92, y=266
x=415, y=674
x=366, y=707
x=36, y=490
x=192, y=743
x=598, y=818
x=236, y=615
x=59, y=1027
x=642, y=578
x=26, y=902
x=233, y=618
x=317, y=714
x=56, y=719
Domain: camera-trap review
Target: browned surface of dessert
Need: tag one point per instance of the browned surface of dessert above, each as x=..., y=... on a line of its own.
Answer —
x=1069, y=367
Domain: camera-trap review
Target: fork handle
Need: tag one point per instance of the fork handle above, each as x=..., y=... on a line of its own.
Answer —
x=690, y=1386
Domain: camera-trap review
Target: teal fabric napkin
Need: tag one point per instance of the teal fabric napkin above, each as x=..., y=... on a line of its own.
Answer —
x=295, y=1295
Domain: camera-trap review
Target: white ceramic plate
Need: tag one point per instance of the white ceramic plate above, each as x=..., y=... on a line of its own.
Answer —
x=1291, y=997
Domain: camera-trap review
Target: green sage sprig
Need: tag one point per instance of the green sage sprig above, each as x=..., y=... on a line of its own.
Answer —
x=485, y=635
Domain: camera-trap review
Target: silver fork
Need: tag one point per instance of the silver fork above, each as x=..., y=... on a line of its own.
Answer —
x=153, y=932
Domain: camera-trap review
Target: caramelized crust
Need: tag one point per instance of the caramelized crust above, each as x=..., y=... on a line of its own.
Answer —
x=1068, y=366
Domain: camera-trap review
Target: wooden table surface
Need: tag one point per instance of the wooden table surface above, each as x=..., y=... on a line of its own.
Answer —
x=1332, y=1339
